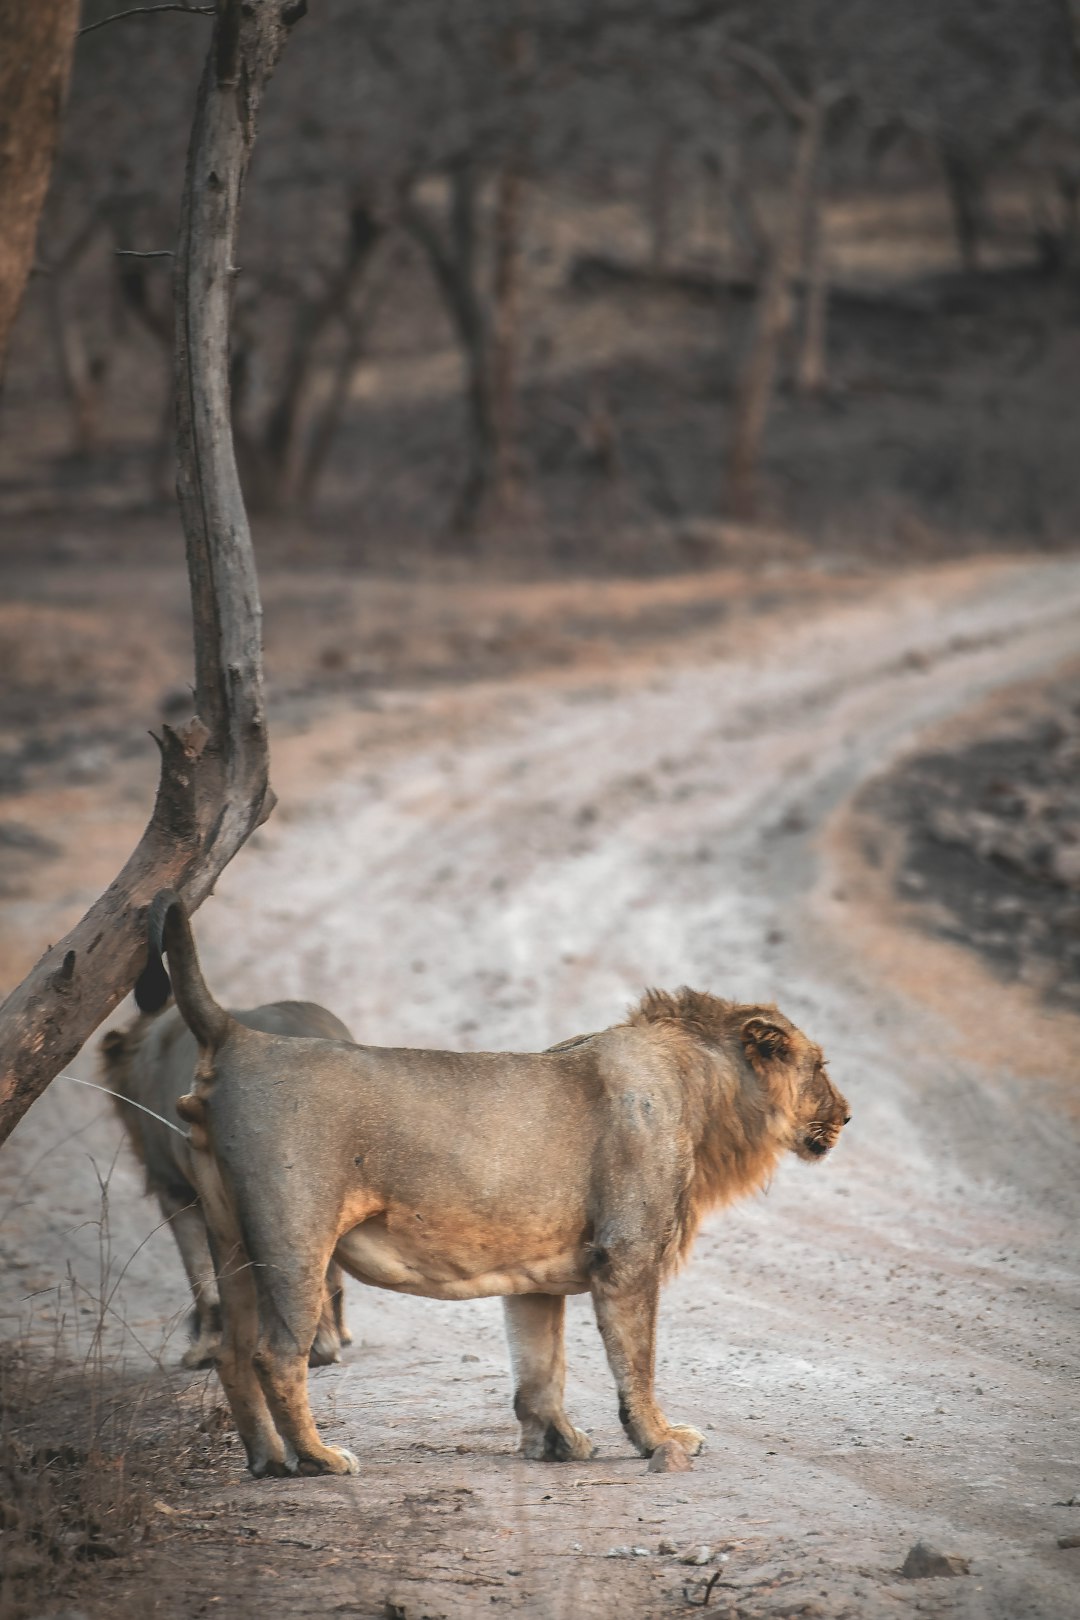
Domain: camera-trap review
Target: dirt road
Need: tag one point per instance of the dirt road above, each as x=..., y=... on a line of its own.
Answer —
x=880, y=1350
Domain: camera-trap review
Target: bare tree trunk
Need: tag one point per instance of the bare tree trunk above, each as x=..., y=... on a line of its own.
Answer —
x=475, y=334
x=214, y=787
x=964, y=182
x=1069, y=192
x=506, y=329
x=83, y=374
x=755, y=388
x=516, y=66
x=282, y=446
x=811, y=371
x=747, y=238
x=454, y=262
x=661, y=174
x=37, y=38
x=1072, y=16
x=328, y=420
x=138, y=297
x=486, y=314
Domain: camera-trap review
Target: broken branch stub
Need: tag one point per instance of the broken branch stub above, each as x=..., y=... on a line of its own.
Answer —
x=214, y=784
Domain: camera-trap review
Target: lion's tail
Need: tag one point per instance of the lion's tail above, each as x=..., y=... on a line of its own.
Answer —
x=168, y=929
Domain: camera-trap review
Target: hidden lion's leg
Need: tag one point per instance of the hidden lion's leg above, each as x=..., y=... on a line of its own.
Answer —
x=185, y=1217
x=534, y=1328
x=335, y=1287
x=331, y=1332
x=626, y=1316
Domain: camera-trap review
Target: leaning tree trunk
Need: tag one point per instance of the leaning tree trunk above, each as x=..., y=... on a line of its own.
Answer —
x=36, y=41
x=214, y=788
x=755, y=388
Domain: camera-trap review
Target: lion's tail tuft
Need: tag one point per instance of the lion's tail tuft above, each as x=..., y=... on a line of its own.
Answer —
x=168, y=929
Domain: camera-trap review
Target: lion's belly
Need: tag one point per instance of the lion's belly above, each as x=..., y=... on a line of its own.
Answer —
x=444, y=1269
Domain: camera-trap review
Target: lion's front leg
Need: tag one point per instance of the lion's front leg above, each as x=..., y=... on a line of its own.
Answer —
x=534, y=1328
x=626, y=1316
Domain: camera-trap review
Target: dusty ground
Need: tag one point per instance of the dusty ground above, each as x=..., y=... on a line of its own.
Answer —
x=881, y=1349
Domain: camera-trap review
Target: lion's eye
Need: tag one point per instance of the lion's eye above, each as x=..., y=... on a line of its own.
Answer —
x=847, y=1119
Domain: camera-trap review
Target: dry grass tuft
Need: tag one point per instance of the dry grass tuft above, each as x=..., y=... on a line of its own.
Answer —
x=88, y=1448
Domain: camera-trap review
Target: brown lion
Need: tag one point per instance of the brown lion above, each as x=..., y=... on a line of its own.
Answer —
x=152, y=1064
x=455, y=1175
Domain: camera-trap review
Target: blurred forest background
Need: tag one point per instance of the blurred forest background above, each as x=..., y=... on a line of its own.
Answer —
x=587, y=284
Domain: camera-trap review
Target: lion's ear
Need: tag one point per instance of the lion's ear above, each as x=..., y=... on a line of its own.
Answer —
x=765, y=1042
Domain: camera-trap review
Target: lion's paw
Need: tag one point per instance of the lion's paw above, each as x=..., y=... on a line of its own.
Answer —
x=272, y=1467
x=566, y=1444
x=326, y=1350
x=690, y=1439
x=196, y=1361
x=203, y=1353
x=336, y=1460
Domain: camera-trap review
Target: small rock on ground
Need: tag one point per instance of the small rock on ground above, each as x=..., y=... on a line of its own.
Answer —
x=670, y=1458
x=924, y=1562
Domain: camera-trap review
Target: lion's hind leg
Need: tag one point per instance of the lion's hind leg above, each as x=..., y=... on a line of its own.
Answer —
x=234, y=1356
x=289, y=1307
x=267, y=1451
x=534, y=1328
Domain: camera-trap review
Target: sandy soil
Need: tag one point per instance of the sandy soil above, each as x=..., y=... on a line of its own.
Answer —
x=882, y=1349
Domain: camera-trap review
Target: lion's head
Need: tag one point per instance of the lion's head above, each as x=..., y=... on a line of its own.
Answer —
x=793, y=1068
x=803, y=1107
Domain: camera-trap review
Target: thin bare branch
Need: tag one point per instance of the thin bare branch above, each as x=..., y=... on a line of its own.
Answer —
x=145, y=11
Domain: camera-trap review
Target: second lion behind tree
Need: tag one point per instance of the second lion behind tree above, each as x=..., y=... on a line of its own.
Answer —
x=152, y=1063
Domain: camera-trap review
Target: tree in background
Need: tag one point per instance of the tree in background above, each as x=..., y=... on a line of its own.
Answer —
x=214, y=787
x=36, y=43
x=422, y=168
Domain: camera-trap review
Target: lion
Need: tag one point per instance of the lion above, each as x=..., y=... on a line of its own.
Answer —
x=152, y=1063
x=586, y=1168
